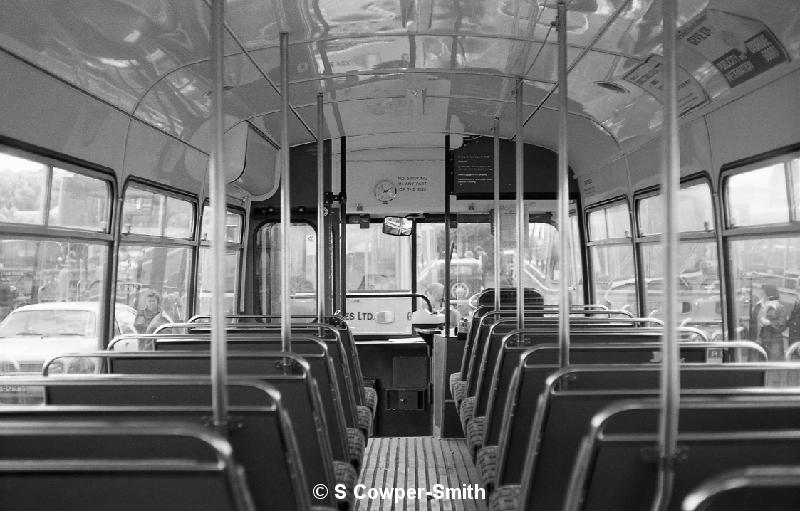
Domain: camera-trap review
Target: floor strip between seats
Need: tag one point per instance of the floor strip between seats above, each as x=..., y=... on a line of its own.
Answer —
x=420, y=462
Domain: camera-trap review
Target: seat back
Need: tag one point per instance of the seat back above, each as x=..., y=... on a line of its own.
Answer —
x=350, y=393
x=261, y=436
x=333, y=366
x=496, y=382
x=297, y=390
x=475, y=344
x=616, y=467
x=538, y=330
x=266, y=365
x=333, y=328
x=528, y=382
x=107, y=464
x=772, y=487
x=492, y=350
x=514, y=346
x=574, y=395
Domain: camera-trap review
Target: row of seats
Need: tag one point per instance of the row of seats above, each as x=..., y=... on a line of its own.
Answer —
x=531, y=424
x=295, y=420
x=116, y=465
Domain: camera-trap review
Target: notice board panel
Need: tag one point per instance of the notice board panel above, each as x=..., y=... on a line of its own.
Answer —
x=473, y=170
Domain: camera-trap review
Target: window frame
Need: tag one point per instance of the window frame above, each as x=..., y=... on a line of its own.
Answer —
x=238, y=247
x=685, y=235
x=642, y=241
x=258, y=227
x=607, y=204
x=731, y=170
x=229, y=208
x=590, y=243
x=729, y=234
x=45, y=229
x=45, y=232
x=145, y=240
x=159, y=240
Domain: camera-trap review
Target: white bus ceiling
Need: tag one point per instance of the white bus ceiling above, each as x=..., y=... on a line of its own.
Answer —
x=125, y=83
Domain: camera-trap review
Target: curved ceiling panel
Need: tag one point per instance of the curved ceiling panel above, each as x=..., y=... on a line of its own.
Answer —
x=270, y=123
x=389, y=66
x=113, y=49
x=590, y=146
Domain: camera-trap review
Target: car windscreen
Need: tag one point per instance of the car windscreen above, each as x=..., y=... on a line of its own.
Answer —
x=49, y=323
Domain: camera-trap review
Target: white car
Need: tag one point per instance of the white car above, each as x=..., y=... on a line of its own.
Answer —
x=32, y=334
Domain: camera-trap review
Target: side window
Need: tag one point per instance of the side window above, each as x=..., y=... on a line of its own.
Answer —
x=52, y=282
x=234, y=222
x=699, y=291
x=757, y=197
x=303, y=264
x=611, y=252
x=764, y=258
x=155, y=256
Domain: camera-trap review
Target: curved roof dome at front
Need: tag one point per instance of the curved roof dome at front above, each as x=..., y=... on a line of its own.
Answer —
x=401, y=67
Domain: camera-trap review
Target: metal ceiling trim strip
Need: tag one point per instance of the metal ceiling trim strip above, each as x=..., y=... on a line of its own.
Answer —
x=443, y=34
x=432, y=71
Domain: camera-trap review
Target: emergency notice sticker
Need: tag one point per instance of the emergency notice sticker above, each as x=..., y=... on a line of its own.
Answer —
x=21, y=394
x=649, y=76
x=740, y=48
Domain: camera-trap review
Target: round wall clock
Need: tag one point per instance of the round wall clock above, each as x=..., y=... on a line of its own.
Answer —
x=385, y=191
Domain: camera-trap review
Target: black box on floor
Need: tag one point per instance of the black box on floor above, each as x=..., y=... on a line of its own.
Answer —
x=406, y=399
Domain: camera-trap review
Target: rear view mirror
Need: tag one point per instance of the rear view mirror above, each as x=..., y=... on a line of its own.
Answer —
x=397, y=226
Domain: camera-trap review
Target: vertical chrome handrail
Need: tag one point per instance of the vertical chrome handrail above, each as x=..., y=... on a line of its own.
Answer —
x=520, y=189
x=563, y=190
x=286, y=200
x=670, y=375
x=343, y=224
x=216, y=178
x=496, y=246
x=321, y=312
x=447, y=248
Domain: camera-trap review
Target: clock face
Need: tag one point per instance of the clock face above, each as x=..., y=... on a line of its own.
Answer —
x=385, y=191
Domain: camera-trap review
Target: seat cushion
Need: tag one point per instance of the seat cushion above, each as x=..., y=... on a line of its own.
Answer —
x=455, y=377
x=466, y=411
x=505, y=498
x=364, y=419
x=356, y=442
x=346, y=475
x=486, y=463
x=371, y=399
x=475, y=430
x=459, y=392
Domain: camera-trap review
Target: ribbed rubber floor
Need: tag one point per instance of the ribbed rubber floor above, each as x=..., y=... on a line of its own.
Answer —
x=420, y=462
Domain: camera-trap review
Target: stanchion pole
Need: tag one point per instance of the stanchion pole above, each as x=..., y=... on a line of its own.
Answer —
x=670, y=369
x=216, y=178
x=286, y=199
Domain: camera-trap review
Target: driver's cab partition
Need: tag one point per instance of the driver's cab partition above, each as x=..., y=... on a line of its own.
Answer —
x=382, y=308
x=399, y=370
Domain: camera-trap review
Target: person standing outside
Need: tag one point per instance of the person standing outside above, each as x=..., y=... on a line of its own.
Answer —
x=151, y=309
x=771, y=317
